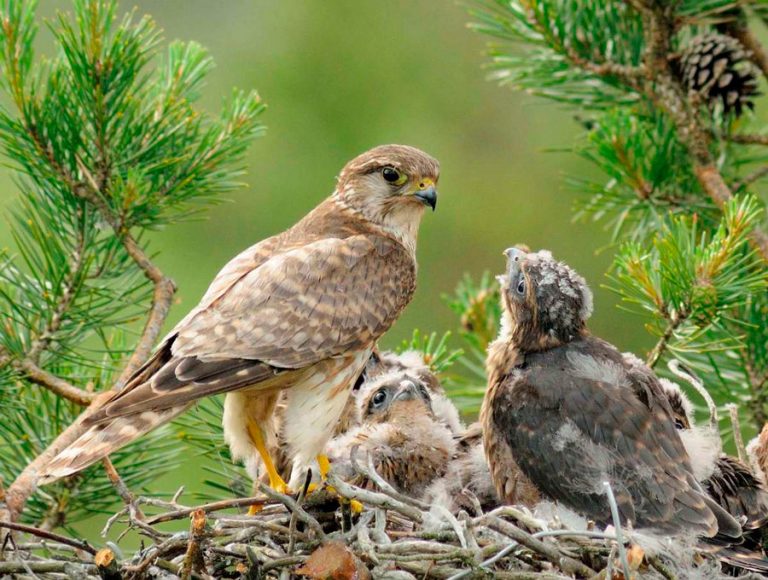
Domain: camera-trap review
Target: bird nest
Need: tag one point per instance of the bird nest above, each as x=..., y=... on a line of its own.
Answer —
x=341, y=532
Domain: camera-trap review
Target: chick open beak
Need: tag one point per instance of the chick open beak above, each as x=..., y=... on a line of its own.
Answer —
x=427, y=193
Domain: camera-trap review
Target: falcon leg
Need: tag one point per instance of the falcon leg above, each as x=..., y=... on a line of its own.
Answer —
x=325, y=466
x=275, y=481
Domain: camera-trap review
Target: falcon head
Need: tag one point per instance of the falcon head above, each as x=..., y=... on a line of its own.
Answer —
x=396, y=400
x=703, y=443
x=545, y=302
x=682, y=409
x=391, y=369
x=390, y=185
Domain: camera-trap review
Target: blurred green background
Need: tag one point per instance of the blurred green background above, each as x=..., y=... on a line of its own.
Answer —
x=342, y=76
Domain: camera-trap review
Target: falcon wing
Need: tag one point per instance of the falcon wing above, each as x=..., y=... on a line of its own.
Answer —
x=594, y=431
x=735, y=488
x=295, y=309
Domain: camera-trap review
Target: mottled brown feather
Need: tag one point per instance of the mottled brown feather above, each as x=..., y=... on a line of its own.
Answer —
x=328, y=287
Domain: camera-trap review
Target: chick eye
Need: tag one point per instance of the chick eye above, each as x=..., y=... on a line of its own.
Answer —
x=392, y=175
x=379, y=398
x=521, y=286
x=679, y=424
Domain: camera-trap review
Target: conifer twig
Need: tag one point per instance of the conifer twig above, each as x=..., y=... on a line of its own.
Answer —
x=41, y=377
x=47, y=535
x=122, y=490
x=738, y=29
x=738, y=440
x=193, y=559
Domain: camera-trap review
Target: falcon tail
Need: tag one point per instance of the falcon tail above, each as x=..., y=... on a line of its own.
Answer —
x=743, y=560
x=102, y=439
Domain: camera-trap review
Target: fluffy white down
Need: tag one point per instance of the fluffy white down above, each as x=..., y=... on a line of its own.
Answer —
x=752, y=450
x=447, y=413
x=703, y=447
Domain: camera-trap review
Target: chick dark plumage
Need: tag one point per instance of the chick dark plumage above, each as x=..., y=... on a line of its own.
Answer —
x=574, y=413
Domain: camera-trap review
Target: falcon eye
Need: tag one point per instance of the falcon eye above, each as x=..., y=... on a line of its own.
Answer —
x=379, y=398
x=521, y=286
x=393, y=176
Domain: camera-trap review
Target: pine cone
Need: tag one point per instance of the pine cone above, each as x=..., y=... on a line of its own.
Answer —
x=718, y=67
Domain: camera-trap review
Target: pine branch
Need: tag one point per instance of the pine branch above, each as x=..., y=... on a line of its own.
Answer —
x=668, y=94
x=53, y=383
x=738, y=28
x=101, y=140
x=661, y=346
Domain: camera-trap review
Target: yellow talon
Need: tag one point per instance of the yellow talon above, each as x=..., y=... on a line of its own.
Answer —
x=355, y=506
x=312, y=487
x=325, y=466
x=275, y=481
x=255, y=508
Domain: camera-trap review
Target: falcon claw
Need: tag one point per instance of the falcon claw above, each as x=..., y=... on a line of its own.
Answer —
x=280, y=487
x=255, y=509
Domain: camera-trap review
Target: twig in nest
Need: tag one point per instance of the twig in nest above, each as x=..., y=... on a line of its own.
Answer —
x=176, y=542
x=207, y=508
x=193, y=559
x=375, y=499
x=733, y=409
x=122, y=490
x=294, y=507
x=81, y=544
x=294, y=514
x=551, y=553
x=617, y=526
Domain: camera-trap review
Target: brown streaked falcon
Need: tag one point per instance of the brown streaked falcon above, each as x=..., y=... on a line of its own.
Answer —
x=298, y=312
x=574, y=414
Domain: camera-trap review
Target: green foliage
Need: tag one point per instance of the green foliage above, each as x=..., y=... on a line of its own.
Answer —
x=546, y=36
x=202, y=432
x=108, y=142
x=435, y=351
x=642, y=187
x=684, y=262
x=691, y=281
x=478, y=306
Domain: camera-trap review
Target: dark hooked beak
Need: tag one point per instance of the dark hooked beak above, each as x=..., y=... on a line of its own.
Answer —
x=411, y=391
x=428, y=196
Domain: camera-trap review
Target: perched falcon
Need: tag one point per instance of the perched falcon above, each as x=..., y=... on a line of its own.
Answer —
x=298, y=312
x=730, y=482
x=409, y=443
x=574, y=414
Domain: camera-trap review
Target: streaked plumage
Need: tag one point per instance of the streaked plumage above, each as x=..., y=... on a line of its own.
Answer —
x=300, y=311
x=409, y=443
x=381, y=367
x=574, y=413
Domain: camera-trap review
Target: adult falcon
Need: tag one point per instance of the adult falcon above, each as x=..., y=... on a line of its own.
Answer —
x=298, y=312
x=573, y=413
